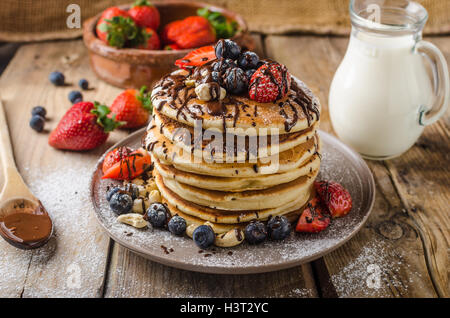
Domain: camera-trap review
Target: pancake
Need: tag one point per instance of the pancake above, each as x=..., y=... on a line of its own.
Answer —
x=235, y=184
x=297, y=111
x=163, y=149
x=224, y=216
x=221, y=147
x=246, y=200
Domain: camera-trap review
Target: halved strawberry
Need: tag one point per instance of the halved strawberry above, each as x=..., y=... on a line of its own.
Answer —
x=312, y=219
x=197, y=57
x=115, y=156
x=130, y=167
x=336, y=198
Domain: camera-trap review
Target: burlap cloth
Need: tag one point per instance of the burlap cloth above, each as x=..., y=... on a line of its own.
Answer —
x=36, y=20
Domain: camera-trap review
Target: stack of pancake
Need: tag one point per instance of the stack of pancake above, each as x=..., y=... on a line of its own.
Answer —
x=229, y=162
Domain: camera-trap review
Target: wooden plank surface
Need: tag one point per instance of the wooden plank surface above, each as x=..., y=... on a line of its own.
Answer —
x=407, y=235
x=73, y=263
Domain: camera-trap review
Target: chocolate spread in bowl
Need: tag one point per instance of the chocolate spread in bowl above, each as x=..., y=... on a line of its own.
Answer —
x=26, y=227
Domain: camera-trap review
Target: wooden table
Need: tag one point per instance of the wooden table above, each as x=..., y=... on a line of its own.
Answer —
x=406, y=239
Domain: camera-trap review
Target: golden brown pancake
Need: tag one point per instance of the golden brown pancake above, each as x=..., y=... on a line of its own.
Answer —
x=235, y=184
x=297, y=111
x=217, y=145
x=163, y=149
x=224, y=216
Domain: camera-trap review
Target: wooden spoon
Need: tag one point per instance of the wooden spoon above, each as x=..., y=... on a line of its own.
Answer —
x=24, y=223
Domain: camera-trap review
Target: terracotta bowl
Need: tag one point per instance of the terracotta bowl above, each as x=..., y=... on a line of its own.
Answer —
x=132, y=68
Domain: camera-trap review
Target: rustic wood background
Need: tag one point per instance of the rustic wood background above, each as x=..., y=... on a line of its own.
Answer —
x=407, y=235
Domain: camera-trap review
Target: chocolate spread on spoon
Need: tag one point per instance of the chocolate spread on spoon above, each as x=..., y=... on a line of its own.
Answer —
x=26, y=227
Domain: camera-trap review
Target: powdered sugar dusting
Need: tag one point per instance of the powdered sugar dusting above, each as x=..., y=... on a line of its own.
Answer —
x=375, y=272
x=72, y=263
x=336, y=165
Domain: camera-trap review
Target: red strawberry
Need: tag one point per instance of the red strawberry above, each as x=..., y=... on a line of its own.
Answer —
x=83, y=127
x=129, y=167
x=189, y=33
x=132, y=107
x=335, y=197
x=107, y=15
x=152, y=41
x=115, y=156
x=145, y=14
x=270, y=82
x=312, y=219
x=197, y=57
x=172, y=47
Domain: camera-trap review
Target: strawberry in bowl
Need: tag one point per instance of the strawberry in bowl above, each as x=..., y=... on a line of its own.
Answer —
x=139, y=47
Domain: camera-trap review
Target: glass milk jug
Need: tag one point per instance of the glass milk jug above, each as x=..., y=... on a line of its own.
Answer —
x=391, y=83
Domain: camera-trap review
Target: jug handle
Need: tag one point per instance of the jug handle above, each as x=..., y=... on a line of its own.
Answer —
x=428, y=115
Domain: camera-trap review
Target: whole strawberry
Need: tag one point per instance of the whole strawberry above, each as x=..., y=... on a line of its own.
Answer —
x=102, y=24
x=132, y=107
x=270, y=82
x=83, y=127
x=145, y=14
x=191, y=32
x=335, y=197
x=152, y=40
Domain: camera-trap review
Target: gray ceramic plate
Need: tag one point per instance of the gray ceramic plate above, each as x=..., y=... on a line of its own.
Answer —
x=339, y=163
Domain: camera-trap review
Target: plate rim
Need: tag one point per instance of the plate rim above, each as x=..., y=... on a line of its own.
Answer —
x=239, y=270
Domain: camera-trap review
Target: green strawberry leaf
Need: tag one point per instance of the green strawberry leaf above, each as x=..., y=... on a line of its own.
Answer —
x=218, y=21
x=145, y=98
x=120, y=30
x=108, y=123
x=139, y=3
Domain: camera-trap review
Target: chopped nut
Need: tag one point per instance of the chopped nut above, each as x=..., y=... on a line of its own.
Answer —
x=189, y=82
x=137, y=206
x=138, y=181
x=151, y=185
x=133, y=219
x=180, y=72
x=154, y=196
x=204, y=92
x=190, y=229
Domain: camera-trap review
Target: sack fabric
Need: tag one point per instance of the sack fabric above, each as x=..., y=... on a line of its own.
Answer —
x=37, y=20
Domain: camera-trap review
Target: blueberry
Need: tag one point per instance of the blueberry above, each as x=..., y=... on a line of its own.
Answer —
x=39, y=110
x=83, y=83
x=75, y=97
x=227, y=49
x=157, y=214
x=216, y=77
x=37, y=123
x=132, y=190
x=278, y=228
x=250, y=73
x=221, y=65
x=235, y=80
x=57, y=78
x=121, y=202
x=203, y=236
x=177, y=225
x=255, y=232
x=110, y=193
x=248, y=60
